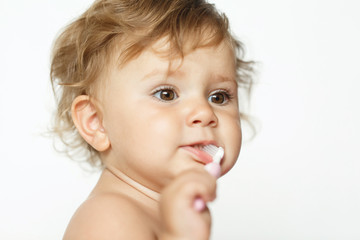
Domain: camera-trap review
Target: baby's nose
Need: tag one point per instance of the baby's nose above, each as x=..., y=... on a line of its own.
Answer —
x=202, y=114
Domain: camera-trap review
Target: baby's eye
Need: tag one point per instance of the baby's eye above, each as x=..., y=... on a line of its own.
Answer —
x=165, y=94
x=219, y=97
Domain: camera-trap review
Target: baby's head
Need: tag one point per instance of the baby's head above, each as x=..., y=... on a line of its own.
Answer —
x=131, y=78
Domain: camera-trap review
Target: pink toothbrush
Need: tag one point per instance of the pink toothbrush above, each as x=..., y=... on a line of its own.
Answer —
x=213, y=168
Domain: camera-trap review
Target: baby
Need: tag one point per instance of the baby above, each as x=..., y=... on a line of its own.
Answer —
x=143, y=86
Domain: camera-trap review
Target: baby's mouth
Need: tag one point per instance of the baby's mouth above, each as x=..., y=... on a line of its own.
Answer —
x=196, y=150
x=199, y=146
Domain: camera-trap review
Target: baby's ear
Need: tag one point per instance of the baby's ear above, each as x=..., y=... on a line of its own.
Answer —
x=88, y=122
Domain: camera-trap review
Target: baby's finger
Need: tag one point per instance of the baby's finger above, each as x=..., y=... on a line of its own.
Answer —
x=190, y=185
x=176, y=203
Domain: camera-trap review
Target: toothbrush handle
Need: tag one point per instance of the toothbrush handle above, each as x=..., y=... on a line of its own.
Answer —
x=215, y=170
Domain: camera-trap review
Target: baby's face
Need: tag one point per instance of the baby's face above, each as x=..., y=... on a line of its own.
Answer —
x=156, y=120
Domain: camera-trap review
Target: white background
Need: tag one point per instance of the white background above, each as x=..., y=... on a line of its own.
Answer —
x=298, y=179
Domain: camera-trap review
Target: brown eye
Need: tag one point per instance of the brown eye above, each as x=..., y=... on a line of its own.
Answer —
x=220, y=97
x=165, y=94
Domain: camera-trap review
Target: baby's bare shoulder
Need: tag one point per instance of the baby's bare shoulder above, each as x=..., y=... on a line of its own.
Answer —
x=109, y=217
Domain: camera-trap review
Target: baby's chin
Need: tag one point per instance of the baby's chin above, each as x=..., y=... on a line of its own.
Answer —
x=226, y=167
x=196, y=166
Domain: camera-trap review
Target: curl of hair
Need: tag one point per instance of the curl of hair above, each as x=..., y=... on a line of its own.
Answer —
x=83, y=50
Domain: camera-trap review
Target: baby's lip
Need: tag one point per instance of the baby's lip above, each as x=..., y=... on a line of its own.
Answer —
x=198, y=154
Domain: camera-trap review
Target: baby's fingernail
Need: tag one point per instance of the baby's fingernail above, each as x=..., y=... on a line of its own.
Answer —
x=199, y=204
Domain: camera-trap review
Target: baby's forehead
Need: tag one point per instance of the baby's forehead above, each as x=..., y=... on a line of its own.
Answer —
x=158, y=61
x=162, y=51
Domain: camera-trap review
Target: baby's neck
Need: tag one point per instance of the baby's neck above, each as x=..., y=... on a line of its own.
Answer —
x=111, y=181
x=132, y=183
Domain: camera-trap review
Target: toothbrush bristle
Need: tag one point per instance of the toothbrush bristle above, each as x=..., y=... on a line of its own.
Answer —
x=215, y=152
x=211, y=149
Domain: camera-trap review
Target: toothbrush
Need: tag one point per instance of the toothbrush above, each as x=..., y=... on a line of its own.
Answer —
x=213, y=168
x=217, y=154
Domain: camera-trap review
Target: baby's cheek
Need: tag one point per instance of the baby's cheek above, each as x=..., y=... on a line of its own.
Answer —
x=229, y=162
x=233, y=145
x=165, y=129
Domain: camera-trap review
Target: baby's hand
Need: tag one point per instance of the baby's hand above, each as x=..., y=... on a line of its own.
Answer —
x=180, y=220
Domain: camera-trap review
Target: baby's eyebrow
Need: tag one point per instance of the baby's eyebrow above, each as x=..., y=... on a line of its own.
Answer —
x=163, y=73
x=166, y=73
x=225, y=79
x=153, y=73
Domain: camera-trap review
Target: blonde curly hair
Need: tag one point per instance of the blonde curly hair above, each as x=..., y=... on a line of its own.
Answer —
x=83, y=50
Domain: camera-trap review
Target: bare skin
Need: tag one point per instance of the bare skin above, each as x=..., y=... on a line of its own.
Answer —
x=150, y=125
x=115, y=210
